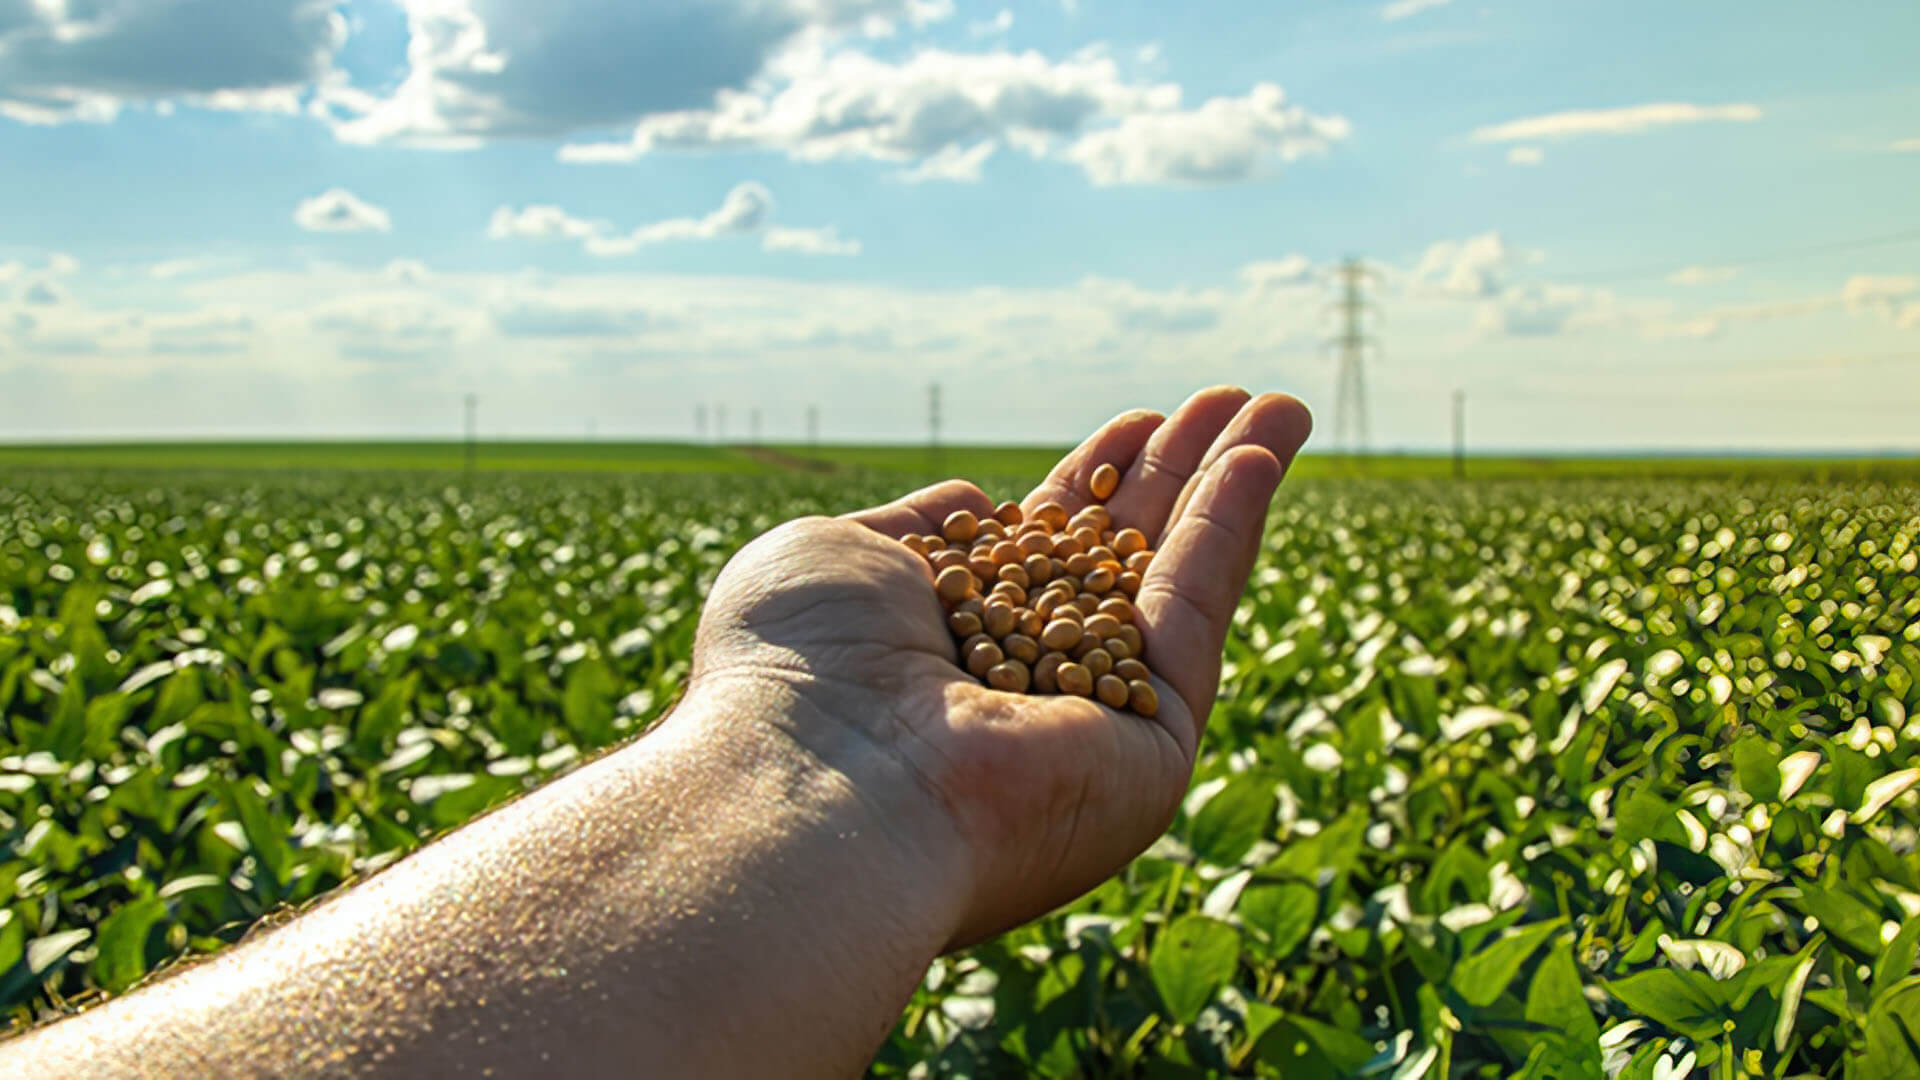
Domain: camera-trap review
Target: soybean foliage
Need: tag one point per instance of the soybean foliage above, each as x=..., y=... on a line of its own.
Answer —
x=1550, y=779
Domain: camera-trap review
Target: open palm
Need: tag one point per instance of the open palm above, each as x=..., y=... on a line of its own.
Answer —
x=1050, y=794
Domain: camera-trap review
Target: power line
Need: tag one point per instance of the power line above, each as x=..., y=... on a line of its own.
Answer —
x=1649, y=271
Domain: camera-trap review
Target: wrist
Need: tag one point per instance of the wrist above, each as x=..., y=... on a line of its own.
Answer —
x=840, y=786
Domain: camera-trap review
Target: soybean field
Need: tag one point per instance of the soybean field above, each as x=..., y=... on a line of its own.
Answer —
x=1585, y=772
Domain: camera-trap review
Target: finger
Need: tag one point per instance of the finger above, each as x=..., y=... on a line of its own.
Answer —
x=1195, y=582
x=1153, y=484
x=1117, y=443
x=1278, y=422
x=924, y=511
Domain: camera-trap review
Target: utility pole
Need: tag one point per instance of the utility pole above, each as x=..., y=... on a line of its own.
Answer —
x=1459, y=434
x=813, y=426
x=700, y=422
x=1350, y=427
x=473, y=408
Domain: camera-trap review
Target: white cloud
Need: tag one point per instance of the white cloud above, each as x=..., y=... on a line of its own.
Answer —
x=941, y=115
x=340, y=210
x=1702, y=275
x=542, y=222
x=1544, y=310
x=1268, y=275
x=480, y=69
x=85, y=60
x=1622, y=121
x=1223, y=140
x=542, y=318
x=822, y=241
x=1905, y=146
x=1895, y=297
x=1473, y=268
x=1526, y=155
x=1404, y=9
x=747, y=210
x=43, y=292
x=999, y=24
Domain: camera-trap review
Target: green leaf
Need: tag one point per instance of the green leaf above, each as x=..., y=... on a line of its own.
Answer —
x=1284, y=913
x=123, y=942
x=1756, y=763
x=1691, y=1003
x=266, y=831
x=1484, y=976
x=1851, y=923
x=1192, y=958
x=1557, y=999
x=1300, y=1048
x=1896, y=960
x=1233, y=820
x=1644, y=815
x=1893, y=1036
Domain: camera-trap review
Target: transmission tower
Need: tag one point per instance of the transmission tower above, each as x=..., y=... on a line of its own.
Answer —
x=1350, y=427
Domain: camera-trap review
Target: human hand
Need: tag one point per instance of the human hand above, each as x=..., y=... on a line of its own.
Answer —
x=1032, y=800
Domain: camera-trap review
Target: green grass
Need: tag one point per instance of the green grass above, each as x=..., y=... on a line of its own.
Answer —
x=908, y=463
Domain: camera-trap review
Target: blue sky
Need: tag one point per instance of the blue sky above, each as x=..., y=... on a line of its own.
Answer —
x=1616, y=226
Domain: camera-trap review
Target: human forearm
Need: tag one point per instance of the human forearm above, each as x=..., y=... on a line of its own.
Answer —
x=707, y=901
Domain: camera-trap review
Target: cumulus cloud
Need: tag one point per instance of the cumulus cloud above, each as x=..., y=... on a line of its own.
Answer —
x=1406, y=9
x=747, y=210
x=1702, y=275
x=822, y=241
x=1472, y=268
x=1225, y=139
x=1288, y=272
x=1526, y=155
x=1543, y=310
x=85, y=60
x=382, y=330
x=999, y=24
x=481, y=69
x=940, y=114
x=340, y=210
x=1629, y=120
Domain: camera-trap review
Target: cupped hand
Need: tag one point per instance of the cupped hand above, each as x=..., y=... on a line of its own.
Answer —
x=1046, y=795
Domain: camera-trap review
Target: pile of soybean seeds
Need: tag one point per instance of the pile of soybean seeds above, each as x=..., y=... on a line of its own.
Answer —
x=1043, y=603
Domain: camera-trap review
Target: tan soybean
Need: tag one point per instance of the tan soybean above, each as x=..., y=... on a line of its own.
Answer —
x=1105, y=481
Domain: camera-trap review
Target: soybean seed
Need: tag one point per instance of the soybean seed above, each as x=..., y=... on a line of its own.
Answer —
x=954, y=584
x=973, y=605
x=964, y=624
x=1139, y=561
x=1131, y=670
x=1016, y=574
x=983, y=567
x=1052, y=513
x=1074, y=679
x=1066, y=545
x=991, y=530
x=1021, y=648
x=1013, y=594
x=1061, y=634
x=943, y=559
x=1131, y=635
x=1097, y=661
x=960, y=526
x=1080, y=565
x=1117, y=649
x=1128, y=583
x=1028, y=621
x=1008, y=514
x=1035, y=543
x=1046, y=672
x=1011, y=676
x=1086, y=603
x=1106, y=480
x=1140, y=695
x=1099, y=580
x=1102, y=625
x=1129, y=542
x=1112, y=691
x=1039, y=568
x=1118, y=607
x=1005, y=552
x=1000, y=619
x=982, y=658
